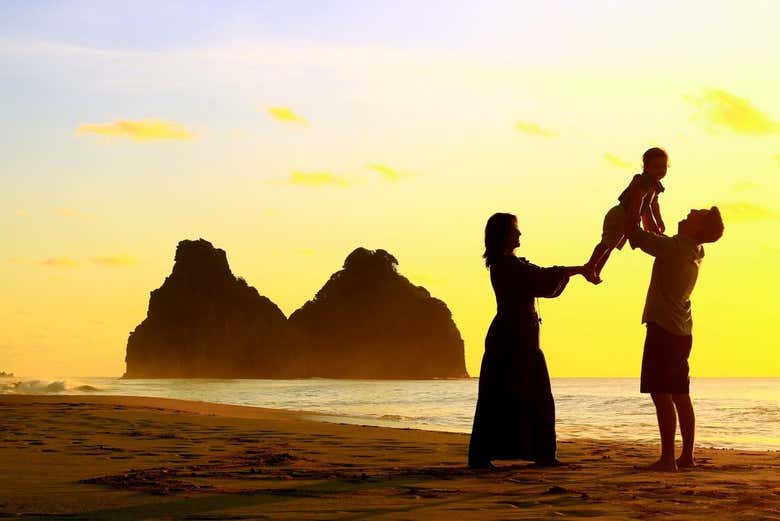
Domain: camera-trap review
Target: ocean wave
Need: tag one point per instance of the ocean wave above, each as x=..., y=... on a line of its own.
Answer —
x=45, y=387
x=87, y=388
x=398, y=417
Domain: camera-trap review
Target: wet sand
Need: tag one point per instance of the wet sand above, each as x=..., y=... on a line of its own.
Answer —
x=128, y=458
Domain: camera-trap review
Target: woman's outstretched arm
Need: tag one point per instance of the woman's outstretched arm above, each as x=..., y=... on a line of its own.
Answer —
x=550, y=282
x=574, y=270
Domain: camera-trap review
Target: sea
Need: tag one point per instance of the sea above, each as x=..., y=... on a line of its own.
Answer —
x=735, y=413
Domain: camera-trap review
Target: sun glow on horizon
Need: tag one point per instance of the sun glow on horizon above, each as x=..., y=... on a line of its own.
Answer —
x=404, y=129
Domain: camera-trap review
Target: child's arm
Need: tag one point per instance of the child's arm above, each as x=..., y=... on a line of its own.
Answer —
x=656, y=210
x=648, y=221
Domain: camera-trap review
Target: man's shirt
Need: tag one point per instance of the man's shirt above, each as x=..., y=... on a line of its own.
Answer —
x=675, y=270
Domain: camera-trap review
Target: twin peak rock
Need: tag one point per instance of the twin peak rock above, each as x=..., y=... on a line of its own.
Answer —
x=367, y=321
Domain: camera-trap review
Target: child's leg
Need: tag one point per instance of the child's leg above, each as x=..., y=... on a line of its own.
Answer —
x=596, y=262
x=612, y=235
x=602, y=260
x=595, y=257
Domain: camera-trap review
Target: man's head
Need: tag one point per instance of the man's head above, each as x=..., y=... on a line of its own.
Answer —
x=702, y=225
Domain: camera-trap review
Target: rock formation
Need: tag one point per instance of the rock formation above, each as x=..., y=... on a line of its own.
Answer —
x=205, y=322
x=368, y=321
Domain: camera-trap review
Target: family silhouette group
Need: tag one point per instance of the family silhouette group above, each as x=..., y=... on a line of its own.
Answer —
x=515, y=412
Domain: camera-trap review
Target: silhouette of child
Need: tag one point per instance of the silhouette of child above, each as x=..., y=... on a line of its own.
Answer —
x=639, y=198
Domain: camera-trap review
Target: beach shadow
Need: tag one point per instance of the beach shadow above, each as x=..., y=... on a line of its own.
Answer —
x=194, y=507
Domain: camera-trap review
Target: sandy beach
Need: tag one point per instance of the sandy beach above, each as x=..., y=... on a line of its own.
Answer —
x=127, y=458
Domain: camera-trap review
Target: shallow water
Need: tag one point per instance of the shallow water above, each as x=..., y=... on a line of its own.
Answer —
x=731, y=412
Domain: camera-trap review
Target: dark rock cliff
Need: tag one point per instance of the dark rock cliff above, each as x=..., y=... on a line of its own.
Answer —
x=368, y=321
x=205, y=322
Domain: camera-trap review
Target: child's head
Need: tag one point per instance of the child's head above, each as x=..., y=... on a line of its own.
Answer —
x=655, y=161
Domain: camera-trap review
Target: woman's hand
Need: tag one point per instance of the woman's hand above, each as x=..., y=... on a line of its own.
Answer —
x=586, y=271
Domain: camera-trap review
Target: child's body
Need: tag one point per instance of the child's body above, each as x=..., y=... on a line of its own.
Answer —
x=639, y=198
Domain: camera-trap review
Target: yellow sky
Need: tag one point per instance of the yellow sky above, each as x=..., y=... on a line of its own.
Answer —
x=290, y=153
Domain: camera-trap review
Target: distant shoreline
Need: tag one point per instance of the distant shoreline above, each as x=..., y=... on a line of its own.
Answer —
x=177, y=405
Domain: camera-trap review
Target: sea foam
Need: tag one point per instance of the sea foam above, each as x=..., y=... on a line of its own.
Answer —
x=44, y=387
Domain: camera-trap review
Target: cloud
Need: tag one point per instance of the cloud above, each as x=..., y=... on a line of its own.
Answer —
x=616, y=161
x=116, y=260
x=720, y=109
x=21, y=213
x=16, y=261
x=151, y=130
x=534, y=129
x=70, y=213
x=318, y=179
x=740, y=212
x=386, y=173
x=59, y=262
x=286, y=115
x=247, y=63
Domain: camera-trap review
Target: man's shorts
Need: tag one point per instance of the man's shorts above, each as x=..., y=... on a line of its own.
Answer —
x=665, y=361
x=613, y=233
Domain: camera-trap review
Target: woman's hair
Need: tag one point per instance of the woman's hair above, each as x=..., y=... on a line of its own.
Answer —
x=496, y=231
x=652, y=153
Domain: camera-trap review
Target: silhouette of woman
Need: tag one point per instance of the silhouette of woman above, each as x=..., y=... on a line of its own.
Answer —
x=515, y=415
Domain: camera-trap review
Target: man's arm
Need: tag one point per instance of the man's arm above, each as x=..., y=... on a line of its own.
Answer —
x=650, y=243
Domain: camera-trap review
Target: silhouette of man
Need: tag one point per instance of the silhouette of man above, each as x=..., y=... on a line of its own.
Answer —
x=667, y=315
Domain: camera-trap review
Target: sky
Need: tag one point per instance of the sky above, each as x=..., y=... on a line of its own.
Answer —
x=290, y=133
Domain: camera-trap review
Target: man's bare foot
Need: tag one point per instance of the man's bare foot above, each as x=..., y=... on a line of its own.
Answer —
x=661, y=466
x=685, y=462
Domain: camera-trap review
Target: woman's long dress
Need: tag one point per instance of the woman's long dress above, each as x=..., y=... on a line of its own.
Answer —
x=515, y=416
